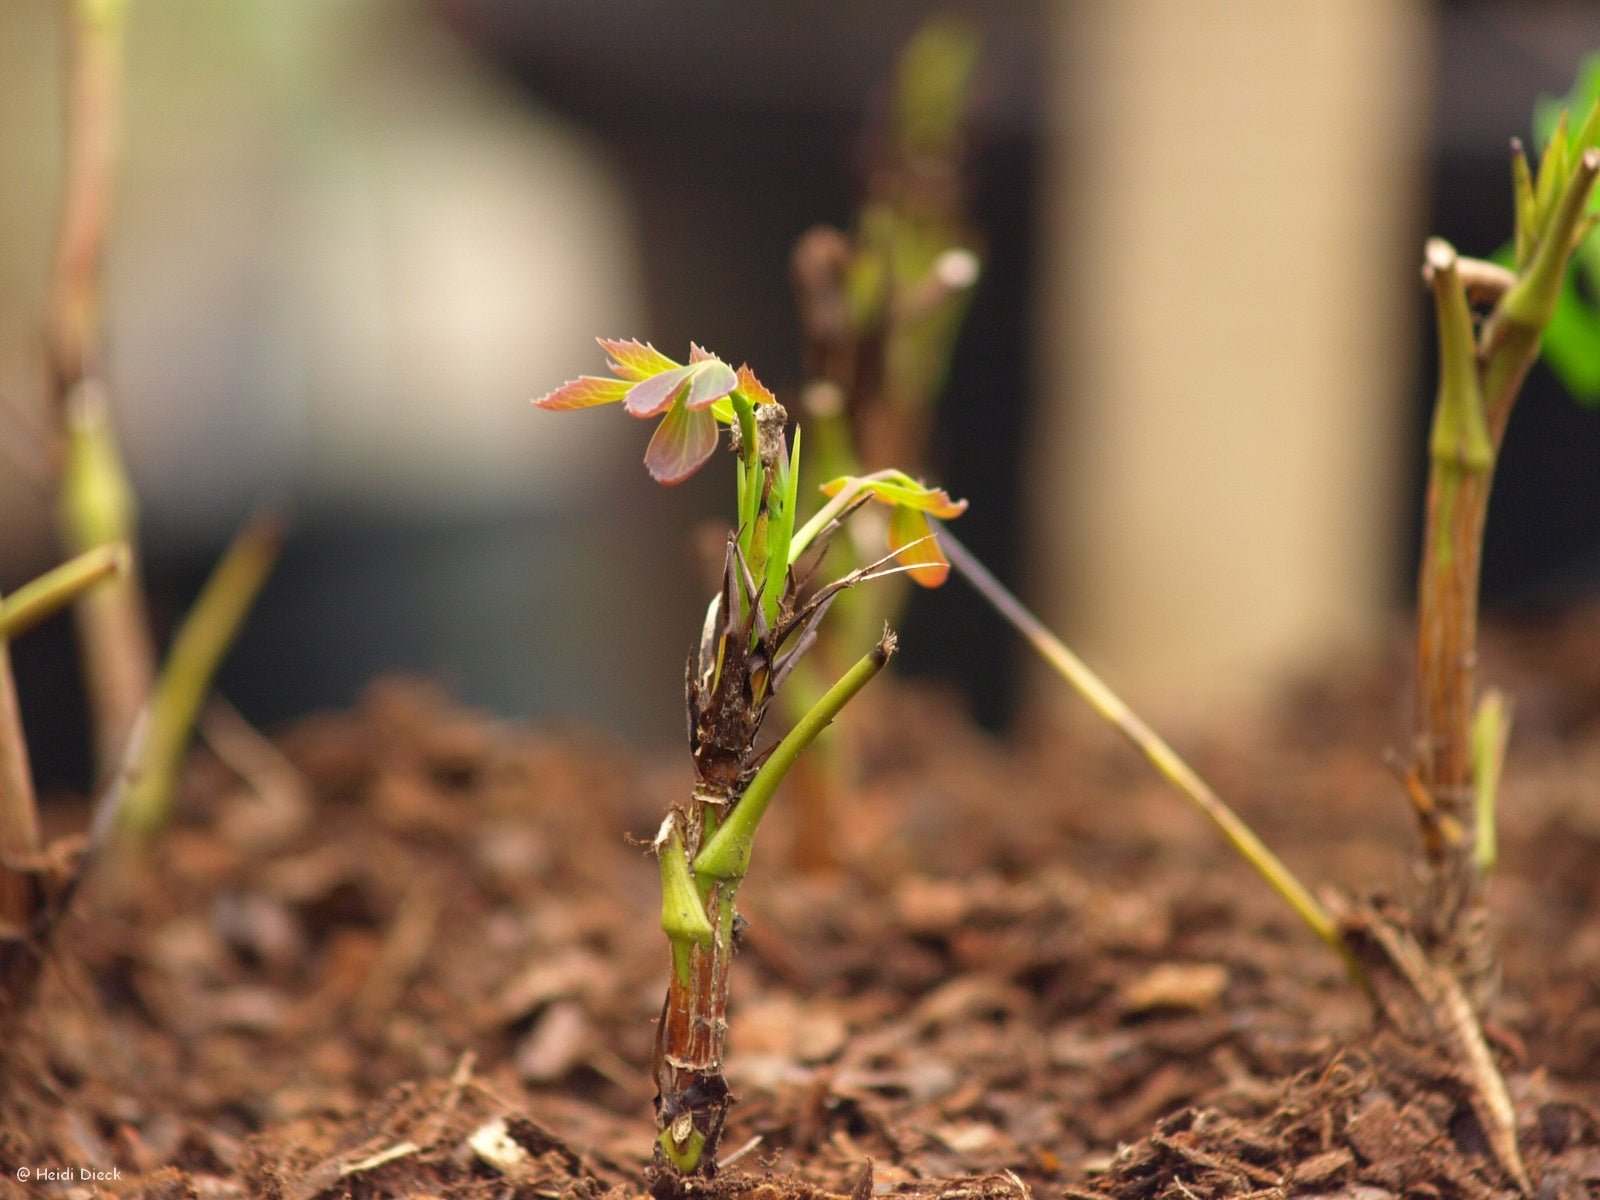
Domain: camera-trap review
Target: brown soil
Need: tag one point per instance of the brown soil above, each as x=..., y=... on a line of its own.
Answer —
x=424, y=963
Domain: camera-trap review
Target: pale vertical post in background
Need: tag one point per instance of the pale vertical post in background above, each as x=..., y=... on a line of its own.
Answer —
x=1227, y=330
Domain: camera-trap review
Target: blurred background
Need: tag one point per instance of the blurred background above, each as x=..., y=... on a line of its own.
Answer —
x=352, y=239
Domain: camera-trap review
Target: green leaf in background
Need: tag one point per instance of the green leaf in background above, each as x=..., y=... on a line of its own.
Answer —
x=1572, y=341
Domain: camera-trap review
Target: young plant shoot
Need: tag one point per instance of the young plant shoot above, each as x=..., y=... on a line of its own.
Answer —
x=95, y=500
x=881, y=307
x=1451, y=778
x=762, y=620
x=97, y=508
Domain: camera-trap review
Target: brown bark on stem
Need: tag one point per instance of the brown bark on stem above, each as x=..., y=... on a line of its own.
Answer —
x=692, y=1095
x=94, y=85
x=726, y=709
x=1447, y=640
x=1481, y=374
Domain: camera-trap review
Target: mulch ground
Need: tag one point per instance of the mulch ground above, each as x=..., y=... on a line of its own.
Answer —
x=415, y=956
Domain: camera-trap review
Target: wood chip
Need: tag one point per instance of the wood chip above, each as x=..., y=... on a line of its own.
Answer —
x=1185, y=987
x=932, y=905
x=496, y=1149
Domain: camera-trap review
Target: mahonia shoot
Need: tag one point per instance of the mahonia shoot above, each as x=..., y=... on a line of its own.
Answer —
x=761, y=621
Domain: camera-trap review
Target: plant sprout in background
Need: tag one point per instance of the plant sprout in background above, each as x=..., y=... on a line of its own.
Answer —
x=95, y=499
x=141, y=720
x=1572, y=339
x=1430, y=971
x=760, y=624
x=880, y=309
x=882, y=305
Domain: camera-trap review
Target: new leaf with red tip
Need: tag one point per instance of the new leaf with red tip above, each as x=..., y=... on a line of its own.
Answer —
x=686, y=397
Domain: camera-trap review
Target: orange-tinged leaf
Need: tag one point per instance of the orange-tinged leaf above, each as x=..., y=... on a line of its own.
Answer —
x=914, y=545
x=681, y=444
x=752, y=389
x=584, y=392
x=635, y=360
x=945, y=508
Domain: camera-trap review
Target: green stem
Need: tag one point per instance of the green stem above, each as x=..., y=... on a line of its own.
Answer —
x=1460, y=438
x=821, y=519
x=1552, y=173
x=1526, y=209
x=829, y=512
x=57, y=588
x=95, y=499
x=197, y=651
x=749, y=474
x=1111, y=709
x=726, y=854
x=96, y=502
x=780, y=532
x=96, y=506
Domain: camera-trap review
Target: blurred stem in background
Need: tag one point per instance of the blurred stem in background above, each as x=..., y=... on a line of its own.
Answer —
x=197, y=649
x=880, y=310
x=19, y=815
x=31, y=879
x=96, y=504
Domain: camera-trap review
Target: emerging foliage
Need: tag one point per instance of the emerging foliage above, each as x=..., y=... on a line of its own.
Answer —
x=691, y=399
x=762, y=620
x=1571, y=344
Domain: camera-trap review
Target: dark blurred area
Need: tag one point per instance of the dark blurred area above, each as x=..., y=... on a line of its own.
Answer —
x=717, y=133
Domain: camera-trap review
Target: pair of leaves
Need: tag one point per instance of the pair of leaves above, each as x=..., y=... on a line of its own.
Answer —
x=692, y=399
